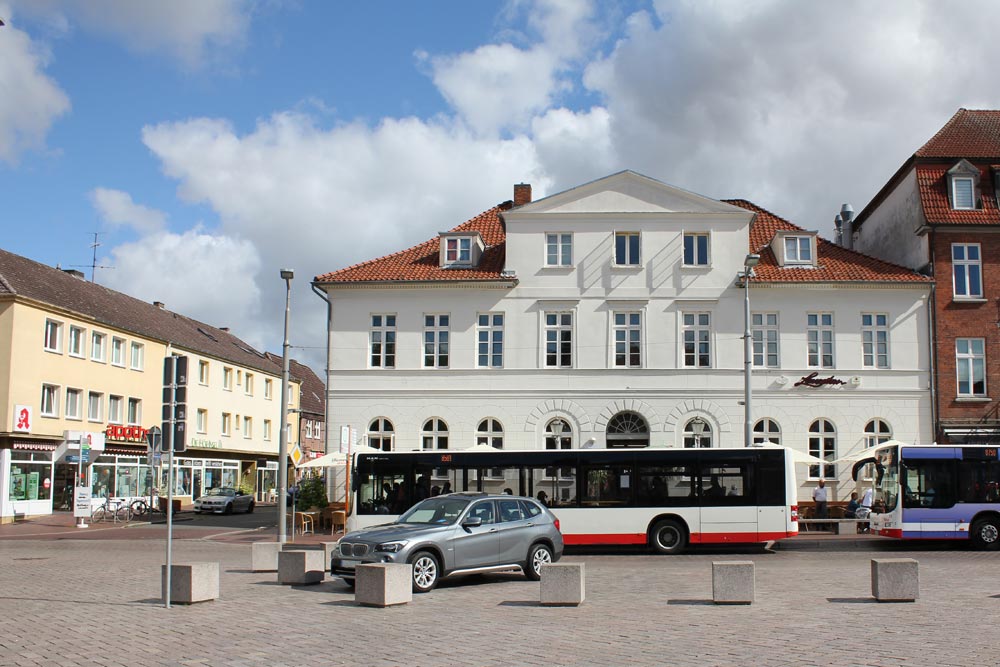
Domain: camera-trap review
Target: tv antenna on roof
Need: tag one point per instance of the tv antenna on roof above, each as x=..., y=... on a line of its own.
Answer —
x=93, y=265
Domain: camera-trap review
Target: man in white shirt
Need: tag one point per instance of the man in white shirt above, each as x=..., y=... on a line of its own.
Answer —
x=820, y=497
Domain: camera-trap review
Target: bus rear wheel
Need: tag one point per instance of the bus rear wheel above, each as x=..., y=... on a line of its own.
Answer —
x=986, y=534
x=668, y=537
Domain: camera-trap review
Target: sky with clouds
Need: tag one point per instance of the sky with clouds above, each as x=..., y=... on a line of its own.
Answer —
x=211, y=143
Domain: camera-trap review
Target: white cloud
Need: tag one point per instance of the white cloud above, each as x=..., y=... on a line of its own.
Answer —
x=187, y=30
x=117, y=208
x=208, y=277
x=30, y=101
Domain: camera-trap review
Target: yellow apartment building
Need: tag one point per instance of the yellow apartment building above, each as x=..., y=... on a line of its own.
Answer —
x=81, y=382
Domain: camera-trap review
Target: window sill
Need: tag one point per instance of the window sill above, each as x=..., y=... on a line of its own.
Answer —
x=973, y=399
x=626, y=268
x=969, y=299
x=558, y=268
x=696, y=267
x=52, y=351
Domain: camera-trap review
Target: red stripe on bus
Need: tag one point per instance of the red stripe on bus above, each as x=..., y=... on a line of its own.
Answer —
x=891, y=532
x=696, y=538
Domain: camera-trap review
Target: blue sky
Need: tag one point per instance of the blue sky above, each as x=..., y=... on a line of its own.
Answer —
x=213, y=142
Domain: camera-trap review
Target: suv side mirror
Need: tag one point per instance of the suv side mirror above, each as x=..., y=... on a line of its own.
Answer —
x=472, y=522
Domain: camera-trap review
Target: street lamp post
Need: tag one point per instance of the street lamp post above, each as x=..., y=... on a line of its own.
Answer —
x=749, y=262
x=286, y=275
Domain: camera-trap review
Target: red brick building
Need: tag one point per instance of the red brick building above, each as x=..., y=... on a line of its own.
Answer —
x=939, y=214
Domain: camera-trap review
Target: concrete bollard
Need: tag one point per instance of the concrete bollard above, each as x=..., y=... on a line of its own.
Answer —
x=300, y=567
x=895, y=579
x=264, y=556
x=383, y=584
x=733, y=582
x=190, y=582
x=329, y=548
x=562, y=584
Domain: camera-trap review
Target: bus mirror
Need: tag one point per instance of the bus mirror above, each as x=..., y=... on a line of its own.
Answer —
x=879, y=471
x=859, y=465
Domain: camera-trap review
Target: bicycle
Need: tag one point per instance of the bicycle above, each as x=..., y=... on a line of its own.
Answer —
x=113, y=508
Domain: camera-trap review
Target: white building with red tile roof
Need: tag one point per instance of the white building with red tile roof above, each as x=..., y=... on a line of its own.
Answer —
x=612, y=315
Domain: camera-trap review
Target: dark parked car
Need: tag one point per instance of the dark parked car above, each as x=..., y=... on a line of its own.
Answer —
x=456, y=534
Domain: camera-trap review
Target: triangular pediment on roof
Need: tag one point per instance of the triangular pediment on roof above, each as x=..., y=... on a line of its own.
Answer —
x=624, y=192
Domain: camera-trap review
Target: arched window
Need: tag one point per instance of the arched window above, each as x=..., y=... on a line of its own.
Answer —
x=435, y=434
x=877, y=432
x=380, y=434
x=558, y=435
x=766, y=430
x=490, y=432
x=628, y=429
x=697, y=433
x=823, y=444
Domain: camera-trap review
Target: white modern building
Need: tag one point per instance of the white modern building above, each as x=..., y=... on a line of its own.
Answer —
x=612, y=315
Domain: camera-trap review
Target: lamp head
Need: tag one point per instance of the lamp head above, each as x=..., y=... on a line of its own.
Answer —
x=697, y=426
x=287, y=274
x=557, y=427
x=751, y=260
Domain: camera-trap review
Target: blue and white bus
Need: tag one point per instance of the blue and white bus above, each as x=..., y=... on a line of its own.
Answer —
x=936, y=492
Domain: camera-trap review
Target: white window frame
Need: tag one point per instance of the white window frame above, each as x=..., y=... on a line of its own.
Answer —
x=52, y=338
x=116, y=409
x=971, y=360
x=798, y=249
x=629, y=261
x=309, y=428
x=49, y=406
x=381, y=432
x=558, y=249
x=74, y=346
x=696, y=331
x=966, y=267
x=136, y=356
x=626, y=330
x=227, y=378
x=560, y=333
x=695, y=237
x=765, y=332
x=99, y=347
x=203, y=371
x=74, y=403
x=436, y=340
x=769, y=431
x=248, y=427
x=93, y=416
x=201, y=420
x=823, y=445
x=133, y=415
x=382, y=340
x=248, y=385
x=458, y=250
x=818, y=344
x=875, y=340
x=489, y=339
x=267, y=429
x=227, y=424
x=268, y=388
x=955, y=180
x=117, y=351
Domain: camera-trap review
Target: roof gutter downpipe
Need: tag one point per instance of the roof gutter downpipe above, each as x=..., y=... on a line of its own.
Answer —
x=932, y=343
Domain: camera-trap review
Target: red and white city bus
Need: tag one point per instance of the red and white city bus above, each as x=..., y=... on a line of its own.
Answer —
x=665, y=498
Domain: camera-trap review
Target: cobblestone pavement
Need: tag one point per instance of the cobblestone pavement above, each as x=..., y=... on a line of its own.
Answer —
x=90, y=602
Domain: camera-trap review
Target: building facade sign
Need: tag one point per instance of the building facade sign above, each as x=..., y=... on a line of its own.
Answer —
x=22, y=418
x=205, y=444
x=125, y=433
x=813, y=380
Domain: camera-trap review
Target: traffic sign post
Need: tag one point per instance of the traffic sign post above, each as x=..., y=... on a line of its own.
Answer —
x=175, y=370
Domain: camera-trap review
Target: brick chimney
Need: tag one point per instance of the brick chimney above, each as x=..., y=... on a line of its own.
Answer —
x=159, y=304
x=522, y=194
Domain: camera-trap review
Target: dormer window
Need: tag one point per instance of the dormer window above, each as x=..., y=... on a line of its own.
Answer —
x=794, y=247
x=963, y=182
x=798, y=250
x=461, y=249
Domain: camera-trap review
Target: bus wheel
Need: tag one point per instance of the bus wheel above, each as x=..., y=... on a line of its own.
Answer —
x=986, y=534
x=668, y=537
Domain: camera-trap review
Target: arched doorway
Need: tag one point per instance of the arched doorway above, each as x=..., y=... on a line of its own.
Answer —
x=627, y=429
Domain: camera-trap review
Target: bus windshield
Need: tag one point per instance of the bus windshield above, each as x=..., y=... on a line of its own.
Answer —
x=888, y=486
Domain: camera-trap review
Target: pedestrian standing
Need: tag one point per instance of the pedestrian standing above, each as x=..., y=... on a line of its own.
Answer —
x=820, y=497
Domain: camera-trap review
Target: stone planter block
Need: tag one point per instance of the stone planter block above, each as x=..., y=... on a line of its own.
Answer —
x=329, y=548
x=190, y=582
x=264, y=556
x=562, y=584
x=733, y=582
x=383, y=584
x=300, y=567
x=895, y=579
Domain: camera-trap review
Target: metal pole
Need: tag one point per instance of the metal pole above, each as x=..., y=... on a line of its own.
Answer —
x=747, y=360
x=287, y=275
x=170, y=494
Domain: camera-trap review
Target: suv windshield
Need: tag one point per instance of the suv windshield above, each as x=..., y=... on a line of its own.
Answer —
x=220, y=492
x=440, y=511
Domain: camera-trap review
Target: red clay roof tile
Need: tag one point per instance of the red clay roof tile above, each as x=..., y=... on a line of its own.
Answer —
x=970, y=134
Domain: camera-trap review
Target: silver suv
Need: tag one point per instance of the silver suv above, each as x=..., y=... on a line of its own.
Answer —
x=455, y=534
